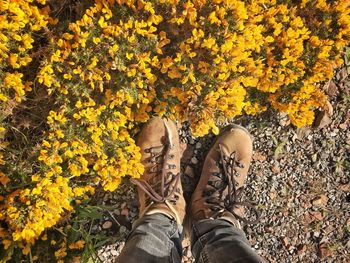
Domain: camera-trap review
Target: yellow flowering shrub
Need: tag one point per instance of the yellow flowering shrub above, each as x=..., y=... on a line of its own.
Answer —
x=124, y=61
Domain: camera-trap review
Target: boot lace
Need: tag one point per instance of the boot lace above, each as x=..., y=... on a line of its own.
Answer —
x=226, y=179
x=160, y=190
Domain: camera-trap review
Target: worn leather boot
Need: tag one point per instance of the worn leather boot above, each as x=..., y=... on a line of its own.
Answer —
x=159, y=188
x=225, y=170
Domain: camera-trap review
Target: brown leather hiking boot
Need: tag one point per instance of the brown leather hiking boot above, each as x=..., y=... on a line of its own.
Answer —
x=223, y=177
x=159, y=188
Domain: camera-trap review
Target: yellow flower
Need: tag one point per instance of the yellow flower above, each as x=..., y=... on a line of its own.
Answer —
x=77, y=245
x=4, y=180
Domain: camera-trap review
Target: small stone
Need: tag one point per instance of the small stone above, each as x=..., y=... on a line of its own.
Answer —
x=316, y=234
x=290, y=183
x=324, y=250
x=198, y=145
x=314, y=157
x=283, y=119
x=324, y=239
x=331, y=89
x=348, y=223
x=272, y=195
x=122, y=229
x=301, y=249
x=348, y=140
x=324, y=117
x=303, y=133
x=194, y=160
x=268, y=229
x=320, y=200
x=96, y=228
x=125, y=211
x=107, y=225
x=316, y=215
x=345, y=188
x=285, y=241
x=189, y=171
x=343, y=126
x=104, y=255
x=333, y=134
x=275, y=169
x=258, y=156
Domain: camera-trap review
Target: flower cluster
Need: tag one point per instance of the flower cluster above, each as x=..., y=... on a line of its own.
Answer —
x=125, y=61
x=19, y=19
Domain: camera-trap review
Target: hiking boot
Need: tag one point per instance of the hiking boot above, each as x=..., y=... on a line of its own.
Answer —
x=223, y=177
x=159, y=188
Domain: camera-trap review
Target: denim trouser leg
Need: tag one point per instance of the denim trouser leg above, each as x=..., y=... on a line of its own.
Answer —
x=154, y=238
x=219, y=241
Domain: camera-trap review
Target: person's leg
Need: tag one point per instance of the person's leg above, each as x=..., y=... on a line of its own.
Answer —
x=216, y=206
x=154, y=238
x=219, y=241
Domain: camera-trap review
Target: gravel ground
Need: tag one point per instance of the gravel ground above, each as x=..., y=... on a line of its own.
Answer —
x=299, y=179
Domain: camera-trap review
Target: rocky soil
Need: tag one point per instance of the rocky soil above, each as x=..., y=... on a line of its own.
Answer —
x=299, y=180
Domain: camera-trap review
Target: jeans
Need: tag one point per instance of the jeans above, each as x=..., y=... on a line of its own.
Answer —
x=157, y=238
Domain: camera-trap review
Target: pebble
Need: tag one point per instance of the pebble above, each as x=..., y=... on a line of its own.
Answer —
x=316, y=234
x=189, y=171
x=333, y=134
x=194, y=160
x=107, y=225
